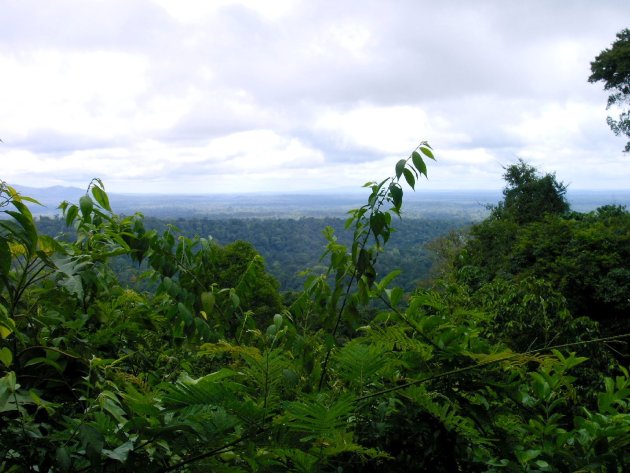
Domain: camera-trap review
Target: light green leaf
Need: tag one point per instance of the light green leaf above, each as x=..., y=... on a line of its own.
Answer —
x=427, y=152
x=419, y=163
x=207, y=301
x=101, y=197
x=6, y=357
x=86, y=204
x=72, y=213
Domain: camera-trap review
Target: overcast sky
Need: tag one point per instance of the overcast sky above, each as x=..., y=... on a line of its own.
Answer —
x=294, y=96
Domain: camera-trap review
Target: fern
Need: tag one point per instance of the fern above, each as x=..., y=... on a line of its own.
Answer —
x=297, y=460
x=447, y=413
x=400, y=339
x=508, y=359
x=267, y=374
x=188, y=396
x=318, y=417
x=357, y=363
x=223, y=347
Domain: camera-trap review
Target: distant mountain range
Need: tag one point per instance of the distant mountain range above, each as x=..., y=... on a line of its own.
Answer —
x=426, y=204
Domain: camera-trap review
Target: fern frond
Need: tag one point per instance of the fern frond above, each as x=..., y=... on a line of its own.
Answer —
x=223, y=347
x=342, y=442
x=429, y=299
x=209, y=390
x=358, y=363
x=266, y=371
x=297, y=461
x=447, y=413
x=398, y=337
x=508, y=359
x=318, y=417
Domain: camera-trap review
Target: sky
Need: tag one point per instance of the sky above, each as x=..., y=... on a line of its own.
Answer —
x=290, y=96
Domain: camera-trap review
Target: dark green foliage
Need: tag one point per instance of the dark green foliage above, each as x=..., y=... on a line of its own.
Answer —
x=528, y=197
x=612, y=66
x=199, y=373
x=584, y=256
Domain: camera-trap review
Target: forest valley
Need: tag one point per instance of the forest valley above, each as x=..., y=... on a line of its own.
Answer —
x=513, y=358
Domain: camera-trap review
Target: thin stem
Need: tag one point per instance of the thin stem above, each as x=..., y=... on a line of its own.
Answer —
x=409, y=323
x=346, y=297
x=212, y=452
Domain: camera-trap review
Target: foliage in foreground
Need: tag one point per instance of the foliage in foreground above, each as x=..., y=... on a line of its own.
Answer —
x=202, y=375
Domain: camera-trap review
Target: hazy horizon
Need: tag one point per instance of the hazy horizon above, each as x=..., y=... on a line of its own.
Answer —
x=359, y=190
x=457, y=204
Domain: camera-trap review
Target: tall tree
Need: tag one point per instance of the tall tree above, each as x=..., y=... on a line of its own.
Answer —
x=612, y=66
x=528, y=196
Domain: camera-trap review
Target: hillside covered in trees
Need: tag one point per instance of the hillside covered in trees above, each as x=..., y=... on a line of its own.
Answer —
x=514, y=358
x=291, y=247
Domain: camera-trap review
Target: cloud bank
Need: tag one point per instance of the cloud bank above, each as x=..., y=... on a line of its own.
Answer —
x=294, y=96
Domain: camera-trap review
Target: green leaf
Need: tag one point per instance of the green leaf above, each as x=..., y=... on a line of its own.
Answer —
x=5, y=257
x=30, y=199
x=6, y=357
x=400, y=165
x=396, y=193
x=109, y=402
x=207, y=301
x=87, y=205
x=234, y=299
x=377, y=223
x=46, y=361
x=48, y=245
x=363, y=261
x=92, y=441
x=383, y=283
x=7, y=324
x=525, y=456
x=11, y=381
x=419, y=163
x=411, y=180
x=25, y=220
x=72, y=213
x=427, y=152
x=541, y=387
x=395, y=295
x=120, y=453
x=184, y=313
x=62, y=456
x=101, y=197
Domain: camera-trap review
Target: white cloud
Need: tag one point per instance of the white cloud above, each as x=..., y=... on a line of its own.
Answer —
x=195, y=11
x=389, y=130
x=297, y=95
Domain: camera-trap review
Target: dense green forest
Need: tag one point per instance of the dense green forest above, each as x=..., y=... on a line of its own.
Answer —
x=292, y=247
x=512, y=359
